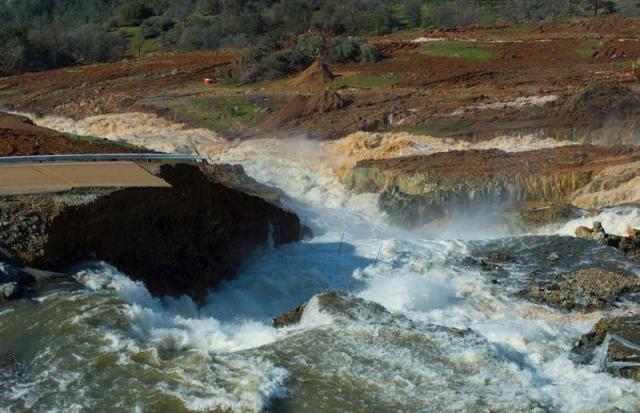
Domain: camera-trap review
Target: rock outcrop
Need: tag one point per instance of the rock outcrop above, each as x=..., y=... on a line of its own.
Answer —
x=630, y=245
x=185, y=239
x=613, y=344
x=418, y=189
x=614, y=185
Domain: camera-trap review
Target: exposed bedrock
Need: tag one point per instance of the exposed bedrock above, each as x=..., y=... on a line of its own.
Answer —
x=418, y=189
x=185, y=239
x=613, y=345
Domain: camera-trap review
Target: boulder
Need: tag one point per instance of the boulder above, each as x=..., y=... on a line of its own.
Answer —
x=629, y=245
x=596, y=233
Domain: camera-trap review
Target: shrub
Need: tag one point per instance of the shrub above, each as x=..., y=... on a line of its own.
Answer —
x=343, y=50
x=133, y=13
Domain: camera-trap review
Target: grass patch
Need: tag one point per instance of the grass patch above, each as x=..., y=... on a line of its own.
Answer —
x=587, y=48
x=222, y=114
x=459, y=49
x=366, y=81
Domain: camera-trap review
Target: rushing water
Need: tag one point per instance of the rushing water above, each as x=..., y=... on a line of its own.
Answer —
x=107, y=345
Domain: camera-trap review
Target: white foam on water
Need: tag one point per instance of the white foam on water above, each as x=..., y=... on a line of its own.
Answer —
x=141, y=129
x=517, y=357
x=616, y=221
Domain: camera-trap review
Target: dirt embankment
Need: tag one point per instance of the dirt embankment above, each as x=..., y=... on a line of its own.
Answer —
x=185, y=239
x=419, y=189
x=19, y=136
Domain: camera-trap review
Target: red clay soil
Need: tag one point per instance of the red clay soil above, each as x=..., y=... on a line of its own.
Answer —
x=19, y=136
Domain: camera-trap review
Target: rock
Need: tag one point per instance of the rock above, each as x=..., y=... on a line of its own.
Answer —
x=8, y=291
x=620, y=337
x=548, y=214
x=290, y=317
x=185, y=239
x=614, y=185
x=586, y=289
x=553, y=257
x=629, y=245
x=415, y=190
x=596, y=234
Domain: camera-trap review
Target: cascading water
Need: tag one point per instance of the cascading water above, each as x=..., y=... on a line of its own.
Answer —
x=416, y=329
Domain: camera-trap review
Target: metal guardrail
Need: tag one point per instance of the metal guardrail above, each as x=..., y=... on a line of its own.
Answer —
x=103, y=157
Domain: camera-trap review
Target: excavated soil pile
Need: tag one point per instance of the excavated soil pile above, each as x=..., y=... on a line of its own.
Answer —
x=301, y=107
x=315, y=76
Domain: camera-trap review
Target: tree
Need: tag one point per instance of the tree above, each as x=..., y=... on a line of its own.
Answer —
x=133, y=13
x=413, y=11
x=11, y=56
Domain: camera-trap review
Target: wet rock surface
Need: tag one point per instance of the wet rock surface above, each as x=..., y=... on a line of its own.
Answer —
x=613, y=345
x=180, y=240
x=291, y=317
x=630, y=244
x=520, y=265
x=585, y=289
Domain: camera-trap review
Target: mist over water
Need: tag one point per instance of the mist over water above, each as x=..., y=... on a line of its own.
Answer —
x=384, y=344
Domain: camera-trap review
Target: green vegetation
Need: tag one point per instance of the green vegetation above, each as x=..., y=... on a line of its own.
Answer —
x=366, y=81
x=44, y=34
x=459, y=49
x=223, y=114
x=137, y=44
x=587, y=48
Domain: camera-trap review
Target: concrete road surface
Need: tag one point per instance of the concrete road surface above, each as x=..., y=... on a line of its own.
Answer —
x=42, y=177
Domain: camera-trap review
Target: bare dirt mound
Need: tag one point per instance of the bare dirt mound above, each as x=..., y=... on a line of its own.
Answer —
x=304, y=106
x=316, y=76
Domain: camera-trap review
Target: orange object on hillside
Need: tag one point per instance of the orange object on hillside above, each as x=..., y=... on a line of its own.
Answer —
x=209, y=81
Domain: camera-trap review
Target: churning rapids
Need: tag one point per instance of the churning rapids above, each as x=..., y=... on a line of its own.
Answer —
x=395, y=341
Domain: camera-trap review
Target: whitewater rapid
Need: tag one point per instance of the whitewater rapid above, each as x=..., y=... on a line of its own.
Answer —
x=110, y=346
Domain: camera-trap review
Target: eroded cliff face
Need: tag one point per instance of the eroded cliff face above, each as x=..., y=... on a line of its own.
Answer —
x=419, y=189
x=185, y=239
